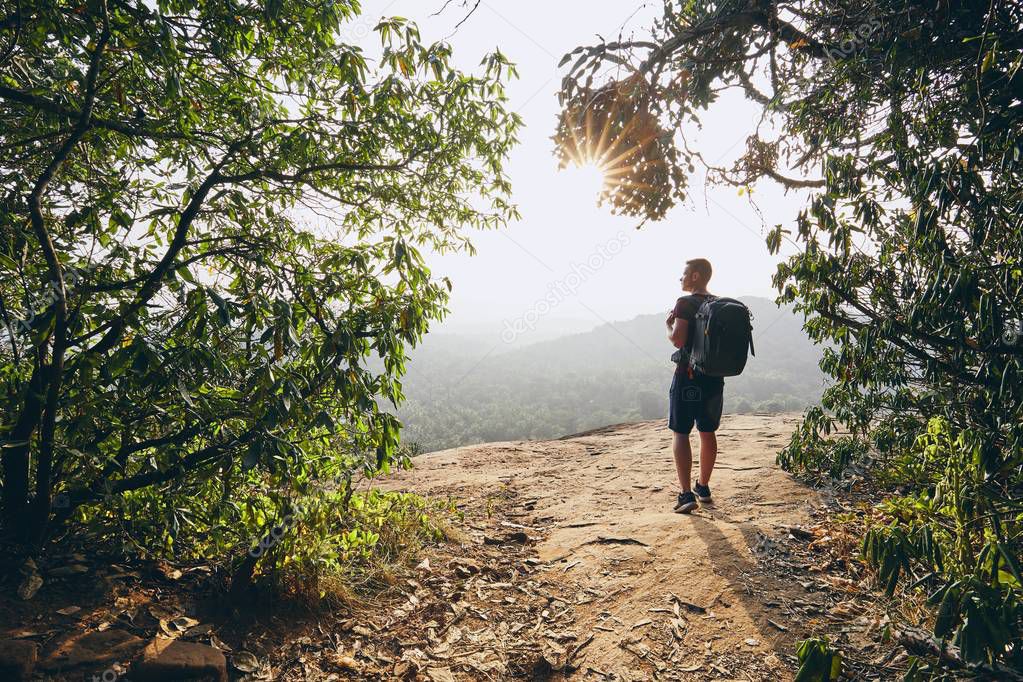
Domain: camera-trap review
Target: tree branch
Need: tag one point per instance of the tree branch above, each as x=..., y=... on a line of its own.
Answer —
x=115, y=328
x=44, y=469
x=51, y=107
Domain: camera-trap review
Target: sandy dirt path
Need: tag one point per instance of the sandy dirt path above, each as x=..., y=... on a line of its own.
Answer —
x=632, y=591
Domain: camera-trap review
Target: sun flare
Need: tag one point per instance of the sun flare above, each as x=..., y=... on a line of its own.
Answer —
x=588, y=179
x=615, y=129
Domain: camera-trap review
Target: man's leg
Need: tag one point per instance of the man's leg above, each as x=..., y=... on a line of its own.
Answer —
x=707, y=423
x=681, y=421
x=708, y=455
x=683, y=452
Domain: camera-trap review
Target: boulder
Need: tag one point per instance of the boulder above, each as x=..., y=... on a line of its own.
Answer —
x=171, y=660
x=17, y=659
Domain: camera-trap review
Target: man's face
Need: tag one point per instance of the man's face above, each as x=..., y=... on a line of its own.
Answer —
x=690, y=278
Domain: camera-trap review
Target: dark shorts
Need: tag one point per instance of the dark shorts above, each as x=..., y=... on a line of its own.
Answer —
x=697, y=400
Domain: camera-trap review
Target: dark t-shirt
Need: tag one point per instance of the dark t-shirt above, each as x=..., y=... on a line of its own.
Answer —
x=685, y=309
x=686, y=306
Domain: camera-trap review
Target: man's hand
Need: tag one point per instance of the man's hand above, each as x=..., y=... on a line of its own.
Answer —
x=670, y=322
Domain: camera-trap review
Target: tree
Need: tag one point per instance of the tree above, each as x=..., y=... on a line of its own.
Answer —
x=211, y=217
x=901, y=121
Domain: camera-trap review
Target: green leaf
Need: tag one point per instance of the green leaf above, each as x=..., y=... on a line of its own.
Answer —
x=184, y=273
x=223, y=312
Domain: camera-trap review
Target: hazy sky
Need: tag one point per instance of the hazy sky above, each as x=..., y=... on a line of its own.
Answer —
x=569, y=265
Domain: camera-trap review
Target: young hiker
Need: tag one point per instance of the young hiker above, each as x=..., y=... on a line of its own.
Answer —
x=694, y=398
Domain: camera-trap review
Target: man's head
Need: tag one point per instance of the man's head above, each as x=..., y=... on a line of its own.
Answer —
x=696, y=275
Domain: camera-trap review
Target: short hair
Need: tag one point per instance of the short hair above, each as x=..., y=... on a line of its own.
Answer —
x=702, y=266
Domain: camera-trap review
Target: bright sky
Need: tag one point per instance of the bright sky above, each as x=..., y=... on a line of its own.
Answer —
x=569, y=265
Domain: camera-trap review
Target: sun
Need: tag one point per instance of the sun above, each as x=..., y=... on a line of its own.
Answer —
x=587, y=179
x=614, y=135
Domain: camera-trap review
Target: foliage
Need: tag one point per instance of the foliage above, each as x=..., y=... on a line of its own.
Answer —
x=211, y=219
x=901, y=120
x=336, y=544
x=818, y=662
x=938, y=530
x=813, y=449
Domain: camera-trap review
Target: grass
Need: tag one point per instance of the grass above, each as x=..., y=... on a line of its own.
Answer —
x=346, y=553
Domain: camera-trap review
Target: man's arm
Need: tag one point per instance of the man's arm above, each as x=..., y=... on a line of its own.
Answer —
x=678, y=331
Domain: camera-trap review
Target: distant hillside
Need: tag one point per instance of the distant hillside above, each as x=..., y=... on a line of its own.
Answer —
x=464, y=391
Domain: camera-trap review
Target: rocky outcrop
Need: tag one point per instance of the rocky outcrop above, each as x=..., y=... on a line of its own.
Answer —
x=172, y=660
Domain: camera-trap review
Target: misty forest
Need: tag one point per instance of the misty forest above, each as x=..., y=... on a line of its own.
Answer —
x=239, y=440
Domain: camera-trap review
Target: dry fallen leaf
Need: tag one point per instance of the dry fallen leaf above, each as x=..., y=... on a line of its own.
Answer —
x=29, y=586
x=182, y=623
x=342, y=661
x=217, y=643
x=246, y=662
x=71, y=569
x=199, y=630
x=162, y=613
x=440, y=674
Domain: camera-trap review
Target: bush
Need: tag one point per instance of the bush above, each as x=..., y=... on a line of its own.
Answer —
x=184, y=358
x=956, y=531
x=334, y=546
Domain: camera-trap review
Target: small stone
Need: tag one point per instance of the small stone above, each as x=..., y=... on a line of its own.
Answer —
x=172, y=660
x=17, y=659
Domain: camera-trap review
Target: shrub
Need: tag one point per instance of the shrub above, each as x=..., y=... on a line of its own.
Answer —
x=185, y=354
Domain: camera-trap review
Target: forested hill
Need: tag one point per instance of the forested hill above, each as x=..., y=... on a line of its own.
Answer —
x=465, y=389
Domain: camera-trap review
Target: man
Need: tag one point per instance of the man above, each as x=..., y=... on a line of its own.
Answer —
x=694, y=398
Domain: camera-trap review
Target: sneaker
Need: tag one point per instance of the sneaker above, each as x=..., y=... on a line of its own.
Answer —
x=702, y=492
x=686, y=503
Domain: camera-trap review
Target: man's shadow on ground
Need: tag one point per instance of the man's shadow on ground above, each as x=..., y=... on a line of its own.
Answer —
x=753, y=586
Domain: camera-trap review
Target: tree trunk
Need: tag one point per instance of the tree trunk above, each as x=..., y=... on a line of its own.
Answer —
x=16, y=457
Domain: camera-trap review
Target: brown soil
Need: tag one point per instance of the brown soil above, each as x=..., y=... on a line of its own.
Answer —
x=640, y=591
x=565, y=561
